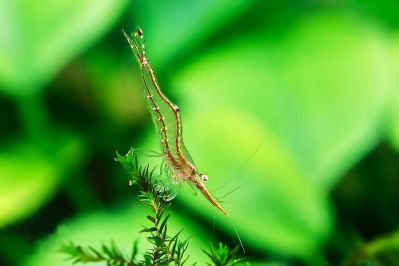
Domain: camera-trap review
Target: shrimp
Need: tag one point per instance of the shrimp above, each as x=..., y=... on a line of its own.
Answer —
x=166, y=118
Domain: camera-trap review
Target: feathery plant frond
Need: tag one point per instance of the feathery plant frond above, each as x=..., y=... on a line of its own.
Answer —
x=223, y=255
x=153, y=191
x=166, y=249
x=111, y=255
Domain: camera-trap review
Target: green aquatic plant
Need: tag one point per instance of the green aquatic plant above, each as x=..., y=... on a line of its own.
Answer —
x=222, y=255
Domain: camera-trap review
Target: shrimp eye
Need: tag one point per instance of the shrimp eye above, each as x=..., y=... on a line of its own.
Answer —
x=204, y=177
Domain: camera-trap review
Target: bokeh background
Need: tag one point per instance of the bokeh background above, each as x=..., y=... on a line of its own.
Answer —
x=291, y=108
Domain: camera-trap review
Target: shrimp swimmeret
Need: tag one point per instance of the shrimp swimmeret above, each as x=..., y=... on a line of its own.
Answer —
x=166, y=117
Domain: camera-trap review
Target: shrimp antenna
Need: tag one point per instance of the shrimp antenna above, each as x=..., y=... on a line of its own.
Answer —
x=239, y=238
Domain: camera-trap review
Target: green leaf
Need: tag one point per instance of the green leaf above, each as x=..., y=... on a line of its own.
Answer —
x=385, y=10
x=393, y=125
x=38, y=38
x=30, y=175
x=181, y=24
x=121, y=225
x=286, y=115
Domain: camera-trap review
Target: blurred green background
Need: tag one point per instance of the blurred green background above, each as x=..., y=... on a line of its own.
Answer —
x=291, y=108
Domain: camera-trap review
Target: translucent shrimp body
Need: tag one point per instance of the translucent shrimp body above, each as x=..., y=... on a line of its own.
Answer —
x=166, y=117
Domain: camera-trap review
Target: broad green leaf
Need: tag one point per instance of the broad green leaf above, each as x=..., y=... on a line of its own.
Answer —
x=171, y=27
x=272, y=203
x=30, y=175
x=297, y=109
x=37, y=38
x=393, y=126
x=385, y=10
x=121, y=226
